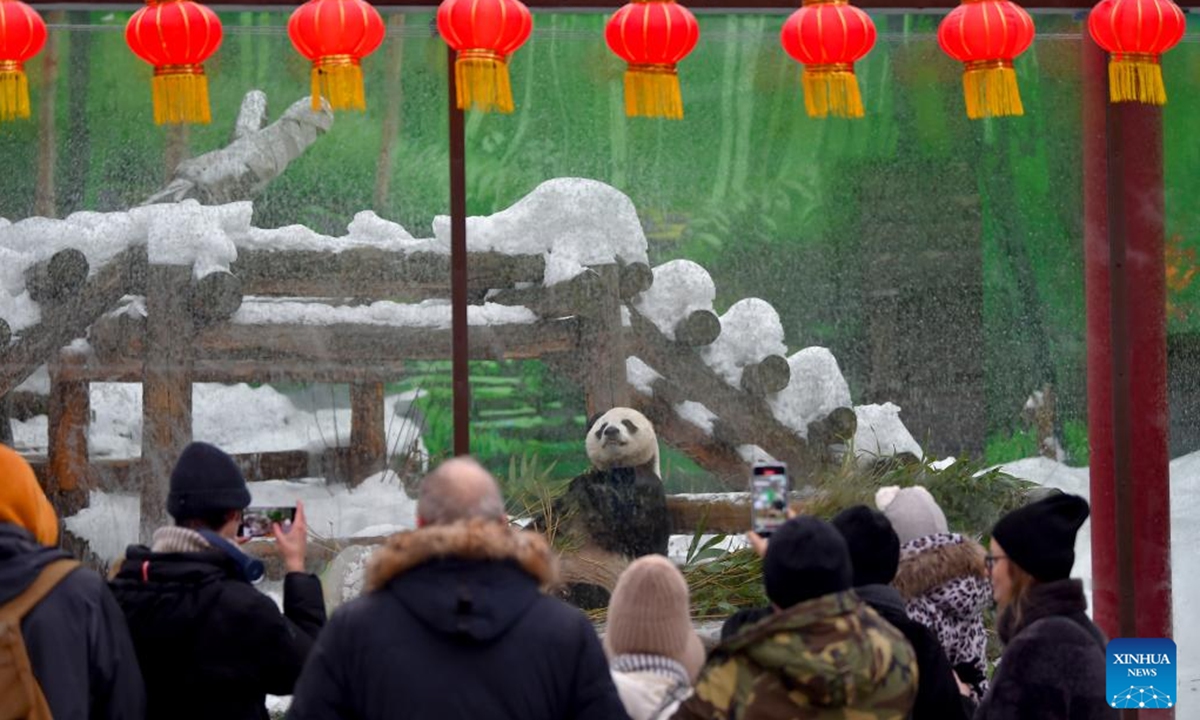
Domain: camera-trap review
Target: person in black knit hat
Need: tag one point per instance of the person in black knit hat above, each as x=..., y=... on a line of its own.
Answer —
x=1054, y=657
x=875, y=554
x=210, y=644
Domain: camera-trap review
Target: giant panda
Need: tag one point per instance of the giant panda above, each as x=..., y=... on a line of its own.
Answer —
x=617, y=510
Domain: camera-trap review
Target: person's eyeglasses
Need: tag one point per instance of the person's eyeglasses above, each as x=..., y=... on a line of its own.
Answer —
x=990, y=560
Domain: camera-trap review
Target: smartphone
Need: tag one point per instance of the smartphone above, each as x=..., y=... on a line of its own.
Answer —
x=257, y=521
x=768, y=497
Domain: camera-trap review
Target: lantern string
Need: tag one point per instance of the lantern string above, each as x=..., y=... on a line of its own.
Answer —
x=482, y=81
x=1136, y=78
x=14, y=92
x=180, y=95
x=653, y=91
x=832, y=90
x=990, y=90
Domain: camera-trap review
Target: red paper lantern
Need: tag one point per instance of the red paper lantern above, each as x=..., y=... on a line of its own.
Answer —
x=652, y=36
x=176, y=37
x=484, y=33
x=985, y=35
x=336, y=35
x=828, y=37
x=22, y=35
x=1136, y=33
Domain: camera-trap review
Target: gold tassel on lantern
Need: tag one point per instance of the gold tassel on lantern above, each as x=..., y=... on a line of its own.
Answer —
x=832, y=90
x=481, y=79
x=990, y=90
x=338, y=79
x=180, y=95
x=14, y=91
x=653, y=91
x=1136, y=78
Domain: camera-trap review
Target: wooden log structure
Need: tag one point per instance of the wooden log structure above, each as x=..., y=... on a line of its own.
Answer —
x=23, y=405
x=770, y=375
x=217, y=370
x=715, y=455
x=741, y=418
x=602, y=337
x=581, y=295
x=382, y=273
x=214, y=297
x=368, y=435
x=70, y=318
x=5, y=334
x=59, y=276
x=119, y=339
x=69, y=417
x=636, y=278
x=701, y=327
x=166, y=387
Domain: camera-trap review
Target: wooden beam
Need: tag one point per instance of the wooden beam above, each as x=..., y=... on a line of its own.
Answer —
x=718, y=457
x=233, y=371
x=214, y=297
x=376, y=273
x=368, y=436
x=64, y=321
x=636, y=278
x=119, y=339
x=61, y=275
x=769, y=376
x=701, y=327
x=69, y=420
x=166, y=387
x=604, y=382
x=581, y=295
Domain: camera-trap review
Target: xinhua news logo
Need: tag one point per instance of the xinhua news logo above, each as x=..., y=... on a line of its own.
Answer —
x=1141, y=673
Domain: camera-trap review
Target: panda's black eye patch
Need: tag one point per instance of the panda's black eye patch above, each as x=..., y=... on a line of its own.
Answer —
x=600, y=430
x=629, y=426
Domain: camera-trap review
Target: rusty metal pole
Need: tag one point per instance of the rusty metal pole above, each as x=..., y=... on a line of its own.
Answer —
x=458, y=266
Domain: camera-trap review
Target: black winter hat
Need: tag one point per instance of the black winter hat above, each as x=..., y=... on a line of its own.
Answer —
x=873, y=543
x=1040, y=537
x=205, y=480
x=806, y=558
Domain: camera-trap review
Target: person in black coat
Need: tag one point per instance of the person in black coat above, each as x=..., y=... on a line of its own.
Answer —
x=1054, y=665
x=78, y=645
x=875, y=554
x=210, y=644
x=454, y=624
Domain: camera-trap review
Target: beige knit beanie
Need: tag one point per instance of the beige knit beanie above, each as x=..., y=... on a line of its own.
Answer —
x=913, y=511
x=650, y=614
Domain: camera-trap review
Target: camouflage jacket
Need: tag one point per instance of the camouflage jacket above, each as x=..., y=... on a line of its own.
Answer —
x=828, y=658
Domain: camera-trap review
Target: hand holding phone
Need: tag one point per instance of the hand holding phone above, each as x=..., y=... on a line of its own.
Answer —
x=768, y=497
x=260, y=521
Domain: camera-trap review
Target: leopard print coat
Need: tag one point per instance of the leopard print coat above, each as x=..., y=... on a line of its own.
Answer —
x=944, y=582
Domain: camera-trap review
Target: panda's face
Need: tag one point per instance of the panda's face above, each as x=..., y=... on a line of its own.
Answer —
x=615, y=433
x=622, y=437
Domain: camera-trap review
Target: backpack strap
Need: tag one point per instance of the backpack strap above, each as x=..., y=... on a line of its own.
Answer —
x=14, y=610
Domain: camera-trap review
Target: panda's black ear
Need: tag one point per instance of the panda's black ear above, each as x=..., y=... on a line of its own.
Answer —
x=592, y=422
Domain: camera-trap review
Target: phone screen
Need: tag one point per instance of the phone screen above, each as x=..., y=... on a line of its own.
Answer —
x=257, y=521
x=768, y=497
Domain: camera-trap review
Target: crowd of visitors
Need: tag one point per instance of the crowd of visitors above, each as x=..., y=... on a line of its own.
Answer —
x=879, y=615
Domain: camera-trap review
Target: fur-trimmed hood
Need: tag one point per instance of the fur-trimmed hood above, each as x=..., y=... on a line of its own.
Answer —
x=472, y=582
x=475, y=540
x=934, y=560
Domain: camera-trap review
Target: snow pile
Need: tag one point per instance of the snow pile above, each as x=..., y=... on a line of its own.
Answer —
x=816, y=388
x=697, y=414
x=640, y=375
x=370, y=227
x=750, y=331
x=572, y=221
x=880, y=433
x=109, y=523
x=366, y=230
x=433, y=313
x=1185, y=535
x=680, y=288
x=236, y=418
x=201, y=236
x=38, y=382
x=751, y=454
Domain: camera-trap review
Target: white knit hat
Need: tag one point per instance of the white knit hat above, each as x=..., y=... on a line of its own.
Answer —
x=913, y=511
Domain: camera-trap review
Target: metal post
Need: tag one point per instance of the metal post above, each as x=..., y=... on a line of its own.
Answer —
x=458, y=266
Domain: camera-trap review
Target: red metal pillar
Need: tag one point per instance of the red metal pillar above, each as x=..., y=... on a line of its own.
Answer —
x=1127, y=372
x=460, y=369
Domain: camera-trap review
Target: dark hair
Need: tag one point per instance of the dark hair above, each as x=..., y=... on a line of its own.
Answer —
x=212, y=520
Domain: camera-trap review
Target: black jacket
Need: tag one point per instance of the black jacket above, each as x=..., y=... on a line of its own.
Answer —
x=453, y=625
x=76, y=636
x=938, y=697
x=210, y=644
x=1053, y=666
